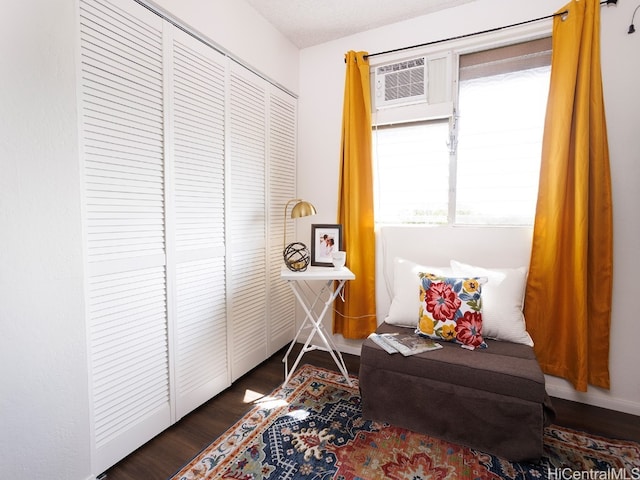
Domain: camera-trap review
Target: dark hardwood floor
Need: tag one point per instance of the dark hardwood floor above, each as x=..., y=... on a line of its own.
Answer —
x=164, y=455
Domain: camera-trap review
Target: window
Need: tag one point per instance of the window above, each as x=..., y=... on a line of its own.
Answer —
x=412, y=164
x=480, y=166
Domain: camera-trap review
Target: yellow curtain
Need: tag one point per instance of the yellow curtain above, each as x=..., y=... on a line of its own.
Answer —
x=569, y=289
x=355, y=317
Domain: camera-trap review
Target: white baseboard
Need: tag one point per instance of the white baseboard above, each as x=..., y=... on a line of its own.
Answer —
x=557, y=387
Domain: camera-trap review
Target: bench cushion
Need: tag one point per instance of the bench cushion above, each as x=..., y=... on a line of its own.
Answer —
x=503, y=367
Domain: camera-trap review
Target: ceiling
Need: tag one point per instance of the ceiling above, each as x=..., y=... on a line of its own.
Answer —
x=311, y=22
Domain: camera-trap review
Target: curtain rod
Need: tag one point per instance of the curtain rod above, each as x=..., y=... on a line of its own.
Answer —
x=605, y=2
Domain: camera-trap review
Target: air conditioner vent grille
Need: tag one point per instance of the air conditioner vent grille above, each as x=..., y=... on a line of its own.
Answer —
x=404, y=84
x=401, y=82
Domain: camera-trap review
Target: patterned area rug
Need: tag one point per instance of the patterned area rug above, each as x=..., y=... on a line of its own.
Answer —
x=312, y=429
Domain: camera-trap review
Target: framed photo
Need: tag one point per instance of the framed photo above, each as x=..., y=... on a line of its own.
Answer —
x=325, y=239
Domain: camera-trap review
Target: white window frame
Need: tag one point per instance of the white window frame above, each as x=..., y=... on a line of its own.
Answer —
x=457, y=47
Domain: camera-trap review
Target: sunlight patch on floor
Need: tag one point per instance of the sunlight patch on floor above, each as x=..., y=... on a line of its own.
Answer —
x=265, y=401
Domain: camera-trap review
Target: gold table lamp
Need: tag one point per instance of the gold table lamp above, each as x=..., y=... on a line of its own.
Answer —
x=296, y=254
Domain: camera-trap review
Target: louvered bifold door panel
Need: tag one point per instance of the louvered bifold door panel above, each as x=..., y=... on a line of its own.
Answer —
x=247, y=220
x=198, y=101
x=282, y=127
x=121, y=79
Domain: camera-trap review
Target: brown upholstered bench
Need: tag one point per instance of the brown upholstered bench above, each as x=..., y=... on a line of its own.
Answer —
x=493, y=400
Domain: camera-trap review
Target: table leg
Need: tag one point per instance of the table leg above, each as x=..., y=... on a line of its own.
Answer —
x=302, y=300
x=316, y=327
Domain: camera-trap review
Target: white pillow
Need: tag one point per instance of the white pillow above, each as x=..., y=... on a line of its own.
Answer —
x=502, y=301
x=405, y=305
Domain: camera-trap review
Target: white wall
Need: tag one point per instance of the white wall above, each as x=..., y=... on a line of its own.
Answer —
x=243, y=32
x=43, y=392
x=44, y=407
x=44, y=403
x=320, y=103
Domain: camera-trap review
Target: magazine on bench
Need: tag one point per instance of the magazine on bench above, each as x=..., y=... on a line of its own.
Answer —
x=407, y=344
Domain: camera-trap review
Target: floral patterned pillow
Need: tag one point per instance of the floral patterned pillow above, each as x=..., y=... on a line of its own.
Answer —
x=451, y=309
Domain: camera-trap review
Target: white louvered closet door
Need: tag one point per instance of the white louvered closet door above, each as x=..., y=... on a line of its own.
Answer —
x=247, y=229
x=122, y=129
x=187, y=161
x=196, y=162
x=282, y=148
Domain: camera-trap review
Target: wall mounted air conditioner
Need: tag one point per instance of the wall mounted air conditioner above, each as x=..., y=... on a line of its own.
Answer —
x=424, y=79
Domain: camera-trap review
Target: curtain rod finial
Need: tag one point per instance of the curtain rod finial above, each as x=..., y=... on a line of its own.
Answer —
x=632, y=28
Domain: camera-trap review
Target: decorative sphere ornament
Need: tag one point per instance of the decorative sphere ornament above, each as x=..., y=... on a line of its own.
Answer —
x=296, y=256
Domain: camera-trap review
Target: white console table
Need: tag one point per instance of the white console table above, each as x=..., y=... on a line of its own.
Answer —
x=310, y=301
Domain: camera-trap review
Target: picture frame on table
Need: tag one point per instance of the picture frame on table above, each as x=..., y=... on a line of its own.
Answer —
x=325, y=239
